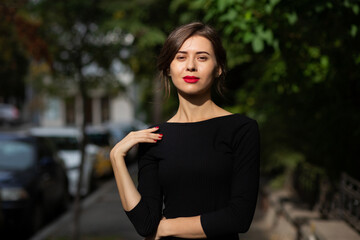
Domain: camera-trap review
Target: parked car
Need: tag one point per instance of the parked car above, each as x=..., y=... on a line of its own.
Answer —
x=67, y=140
x=9, y=114
x=99, y=136
x=33, y=182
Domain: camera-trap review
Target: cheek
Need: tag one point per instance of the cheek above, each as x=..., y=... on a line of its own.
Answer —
x=210, y=71
x=175, y=69
x=171, y=69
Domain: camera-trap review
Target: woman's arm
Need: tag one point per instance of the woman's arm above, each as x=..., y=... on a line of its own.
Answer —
x=238, y=215
x=129, y=195
x=142, y=206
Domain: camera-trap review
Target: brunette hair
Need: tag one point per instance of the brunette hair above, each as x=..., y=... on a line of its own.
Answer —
x=176, y=39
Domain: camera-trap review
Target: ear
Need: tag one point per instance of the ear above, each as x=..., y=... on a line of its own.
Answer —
x=218, y=72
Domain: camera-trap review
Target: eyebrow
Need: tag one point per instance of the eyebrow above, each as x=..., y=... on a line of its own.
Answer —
x=200, y=52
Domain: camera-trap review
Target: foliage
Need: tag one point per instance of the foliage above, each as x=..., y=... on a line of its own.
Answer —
x=294, y=66
x=81, y=44
x=18, y=44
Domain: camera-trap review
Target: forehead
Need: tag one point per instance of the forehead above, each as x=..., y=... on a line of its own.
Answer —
x=197, y=44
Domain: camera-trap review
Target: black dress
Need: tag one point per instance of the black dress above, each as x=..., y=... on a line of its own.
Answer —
x=208, y=168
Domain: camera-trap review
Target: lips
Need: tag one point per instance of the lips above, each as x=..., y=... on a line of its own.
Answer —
x=191, y=79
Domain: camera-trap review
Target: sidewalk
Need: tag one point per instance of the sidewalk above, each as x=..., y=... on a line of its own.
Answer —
x=104, y=219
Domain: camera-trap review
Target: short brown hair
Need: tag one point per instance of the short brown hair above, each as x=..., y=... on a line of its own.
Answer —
x=176, y=39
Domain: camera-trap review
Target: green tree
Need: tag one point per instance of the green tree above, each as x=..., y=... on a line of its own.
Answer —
x=294, y=66
x=19, y=43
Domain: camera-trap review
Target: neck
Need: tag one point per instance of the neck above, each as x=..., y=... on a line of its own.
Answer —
x=193, y=108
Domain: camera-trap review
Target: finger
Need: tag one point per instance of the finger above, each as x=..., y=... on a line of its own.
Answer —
x=156, y=135
x=147, y=140
x=137, y=136
x=153, y=129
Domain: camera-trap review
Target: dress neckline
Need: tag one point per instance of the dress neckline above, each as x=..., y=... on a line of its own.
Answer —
x=204, y=121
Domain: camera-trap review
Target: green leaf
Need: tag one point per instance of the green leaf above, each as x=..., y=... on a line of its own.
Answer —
x=232, y=14
x=228, y=29
x=353, y=30
x=270, y=6
x=248, y=37
x=355, y=9
x=292, y=18
x=257, y=44
x=222, y=4
x=324, y=61
x=314, y=52
x=274, y=2
x=276, y=44
x=295, y=88
x=346, y=3
x=268, y=36
x=248, y=15
x=357, y=60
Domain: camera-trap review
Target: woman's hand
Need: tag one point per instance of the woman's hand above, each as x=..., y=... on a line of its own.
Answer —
x=133, y=138
x=128, y=192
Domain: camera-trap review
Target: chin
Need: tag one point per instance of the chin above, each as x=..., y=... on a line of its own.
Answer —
x=194, y=92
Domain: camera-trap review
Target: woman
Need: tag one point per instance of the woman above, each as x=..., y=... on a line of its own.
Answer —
x=202, y=165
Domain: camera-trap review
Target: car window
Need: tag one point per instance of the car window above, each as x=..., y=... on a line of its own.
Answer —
x=66, y=143
x=16, y=155
x=100, y=139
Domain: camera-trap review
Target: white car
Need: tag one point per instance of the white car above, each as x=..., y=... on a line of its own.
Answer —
x=67, y=141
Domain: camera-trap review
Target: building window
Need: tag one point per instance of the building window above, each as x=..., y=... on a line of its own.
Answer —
x=88, y=111
x=105, y=109
x=70, y=111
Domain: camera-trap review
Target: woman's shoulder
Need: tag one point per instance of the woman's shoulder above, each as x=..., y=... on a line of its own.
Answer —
x=241, y=118
x=236, y=123
x=235, y=118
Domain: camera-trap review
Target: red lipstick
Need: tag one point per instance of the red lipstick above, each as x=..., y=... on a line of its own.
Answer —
x=191, y=79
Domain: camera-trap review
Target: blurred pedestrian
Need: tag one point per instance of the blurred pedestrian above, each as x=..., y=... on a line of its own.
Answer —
x=199, y=171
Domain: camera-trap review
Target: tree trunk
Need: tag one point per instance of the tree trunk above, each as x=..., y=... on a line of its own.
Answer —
x=77, y=206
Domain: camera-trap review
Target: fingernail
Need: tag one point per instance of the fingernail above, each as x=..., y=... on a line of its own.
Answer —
x=156, y=127
x=161, y=135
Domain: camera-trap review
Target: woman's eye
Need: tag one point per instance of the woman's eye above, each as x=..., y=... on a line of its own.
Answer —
x=202, y=58
x=180, y=57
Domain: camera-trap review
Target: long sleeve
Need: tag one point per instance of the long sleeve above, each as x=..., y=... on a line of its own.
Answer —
x=146, y=215
x=238, y=215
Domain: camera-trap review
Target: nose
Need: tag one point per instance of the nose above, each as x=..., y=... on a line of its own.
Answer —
x=191, y=65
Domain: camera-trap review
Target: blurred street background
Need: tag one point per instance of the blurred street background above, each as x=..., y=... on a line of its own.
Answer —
x=76, y=76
